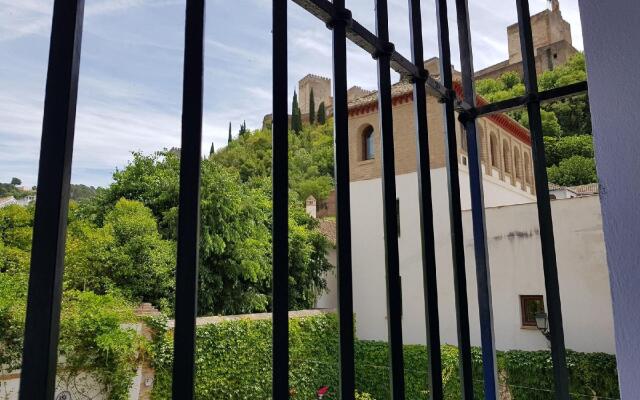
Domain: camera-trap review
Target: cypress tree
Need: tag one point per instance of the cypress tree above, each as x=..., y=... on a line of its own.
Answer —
x=312, y=108
x=213, y=150
x=230, y=137
x=322, y=114
x=243, y=128
x=296, y=117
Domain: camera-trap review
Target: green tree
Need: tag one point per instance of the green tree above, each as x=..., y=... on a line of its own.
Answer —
x=296, y=117
x=576, y=170
x=310, y=159
x=212, y=150
x=235, y=247
x=243, y=129
x=81, y=192
x=16, y=181
x=564, y=117
x=230, y=138
x=126, y=254
x=16, y=227
x=312, y=108
x=322, y=114
x=562, y=148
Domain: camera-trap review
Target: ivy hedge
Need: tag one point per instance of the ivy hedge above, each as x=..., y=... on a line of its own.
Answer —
x=233, y=361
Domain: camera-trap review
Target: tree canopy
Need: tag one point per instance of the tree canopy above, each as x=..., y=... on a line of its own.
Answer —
x=310, y=159
x=566, y=123
x=235, y=237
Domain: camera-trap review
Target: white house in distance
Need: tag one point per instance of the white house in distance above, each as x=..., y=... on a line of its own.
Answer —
x=515, y=259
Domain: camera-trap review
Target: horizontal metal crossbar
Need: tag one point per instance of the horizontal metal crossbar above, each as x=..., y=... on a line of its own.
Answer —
x=520, y=101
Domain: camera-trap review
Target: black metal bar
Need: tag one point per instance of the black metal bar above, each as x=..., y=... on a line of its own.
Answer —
x=343, y=211
x=280, y=182
x=430, y=282
x=389, y=211
x=517, y=102
x=189, y=200
x=483, y=276
x=42, y=326
x=455, y=208
x=558, y=352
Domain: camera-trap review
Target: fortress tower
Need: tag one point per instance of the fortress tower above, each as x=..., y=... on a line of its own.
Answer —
x=552, y=44
x=321, y=92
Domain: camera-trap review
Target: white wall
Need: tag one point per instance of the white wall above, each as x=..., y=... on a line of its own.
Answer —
x=515, y=261
x=611, y=33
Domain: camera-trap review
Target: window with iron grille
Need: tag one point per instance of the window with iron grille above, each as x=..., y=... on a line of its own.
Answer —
x=529, y=306
x=43, y=309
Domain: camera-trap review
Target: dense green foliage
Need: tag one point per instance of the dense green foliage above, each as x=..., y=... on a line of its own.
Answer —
x=576, y=170
x=570, y=160
x=310, y=159
x=124, y=252
x=566, y=123
x=92, y=337
x=559, y=118
x=234, y=361
x=81, y=192
x=235, y=237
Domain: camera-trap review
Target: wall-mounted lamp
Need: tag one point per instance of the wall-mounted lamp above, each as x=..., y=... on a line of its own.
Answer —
x=542, y=323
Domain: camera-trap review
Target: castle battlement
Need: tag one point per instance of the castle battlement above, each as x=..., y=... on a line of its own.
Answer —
x=310, y=77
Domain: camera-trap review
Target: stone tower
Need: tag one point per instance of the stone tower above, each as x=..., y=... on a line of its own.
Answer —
x=551, y=38
x=321, y=92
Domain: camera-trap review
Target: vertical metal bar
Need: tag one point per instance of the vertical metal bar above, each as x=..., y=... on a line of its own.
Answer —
x=558, y=352
x=280, y=184
x=189, y=201
x=42, y=326
x=483, y=276
x=341, y=148
x=430, y=283
x=455, y=213
x=390, y=216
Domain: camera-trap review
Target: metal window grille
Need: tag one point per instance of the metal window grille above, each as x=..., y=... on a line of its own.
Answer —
x=44, y=296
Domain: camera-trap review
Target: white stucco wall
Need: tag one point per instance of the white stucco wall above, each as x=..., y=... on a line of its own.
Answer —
x=611, y=33
x=514, y=258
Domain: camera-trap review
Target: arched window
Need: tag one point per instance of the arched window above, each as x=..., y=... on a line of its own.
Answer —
x=463, y=137
x=527, y=168
x=483, y=143
x=368, y=144
x=495, y=151
x=506, y=154
x=517, y=162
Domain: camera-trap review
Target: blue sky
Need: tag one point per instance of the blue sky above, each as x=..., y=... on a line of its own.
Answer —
x=131, y=72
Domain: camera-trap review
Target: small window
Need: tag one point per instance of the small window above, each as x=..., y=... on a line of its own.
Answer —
x=368, y=145
x=529, y=306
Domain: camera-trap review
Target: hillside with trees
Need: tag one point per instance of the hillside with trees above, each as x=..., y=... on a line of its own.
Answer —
x=310, y=158
x=566, y=123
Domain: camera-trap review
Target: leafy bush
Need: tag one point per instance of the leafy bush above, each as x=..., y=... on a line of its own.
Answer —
x=94, y=339
x=576, y=170
x=233, y=360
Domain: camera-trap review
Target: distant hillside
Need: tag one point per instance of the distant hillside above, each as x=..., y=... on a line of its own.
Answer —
x=310, y=158
x=8, y=190
x=81, y=192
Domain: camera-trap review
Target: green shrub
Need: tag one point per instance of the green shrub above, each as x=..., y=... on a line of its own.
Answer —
x=233, y=361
